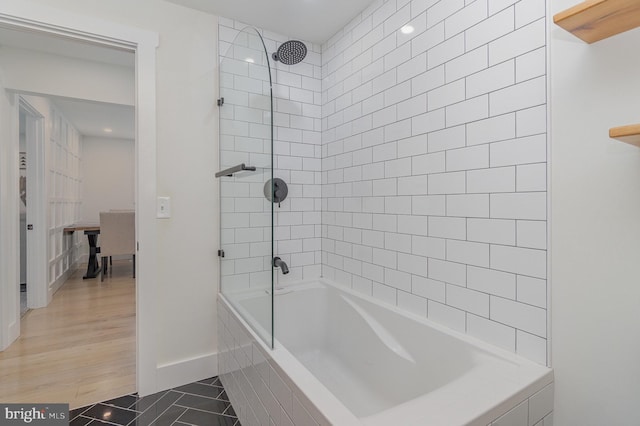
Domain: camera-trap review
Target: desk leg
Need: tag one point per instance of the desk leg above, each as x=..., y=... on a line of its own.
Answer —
x=92, y=266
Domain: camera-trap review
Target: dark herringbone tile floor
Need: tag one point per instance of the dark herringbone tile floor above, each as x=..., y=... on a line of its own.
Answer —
x=202, y=403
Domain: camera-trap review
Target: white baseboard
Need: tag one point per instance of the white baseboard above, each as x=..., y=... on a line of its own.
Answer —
x=187, y=371
x=13, y=334
x=63, y=278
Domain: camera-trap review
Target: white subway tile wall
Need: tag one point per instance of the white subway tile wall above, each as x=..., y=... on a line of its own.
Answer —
x=534, y=411
x=434, y=166
x=245, y=134
x=260, y=392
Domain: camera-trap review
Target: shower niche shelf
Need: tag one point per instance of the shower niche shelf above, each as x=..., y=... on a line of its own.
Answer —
x=629, y=134
x=595, y=20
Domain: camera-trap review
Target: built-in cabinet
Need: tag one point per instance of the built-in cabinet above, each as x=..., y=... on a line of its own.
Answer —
x=595, y=20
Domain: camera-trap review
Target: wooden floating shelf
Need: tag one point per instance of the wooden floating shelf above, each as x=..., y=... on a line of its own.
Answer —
x=594, y=20
x=629, y=134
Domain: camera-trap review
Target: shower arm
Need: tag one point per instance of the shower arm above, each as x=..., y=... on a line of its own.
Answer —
x=231, y=170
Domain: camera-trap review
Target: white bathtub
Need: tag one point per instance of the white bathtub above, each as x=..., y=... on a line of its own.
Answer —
x=349, y=360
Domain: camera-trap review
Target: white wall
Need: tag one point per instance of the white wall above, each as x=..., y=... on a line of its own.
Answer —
x=108, y=179
x=595, y=231
x=245, y=138
x=434, y=164
x=68, y=77
x=187, y=157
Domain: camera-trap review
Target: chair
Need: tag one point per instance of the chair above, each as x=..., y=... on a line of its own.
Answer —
x=117, y=237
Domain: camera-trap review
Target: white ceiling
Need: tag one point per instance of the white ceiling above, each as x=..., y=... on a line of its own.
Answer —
x=307, y=20
x=90, y=118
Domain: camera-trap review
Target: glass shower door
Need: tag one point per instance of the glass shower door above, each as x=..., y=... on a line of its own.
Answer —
x=246, y=166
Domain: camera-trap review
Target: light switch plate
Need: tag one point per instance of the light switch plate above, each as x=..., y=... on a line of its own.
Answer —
x=164, y=208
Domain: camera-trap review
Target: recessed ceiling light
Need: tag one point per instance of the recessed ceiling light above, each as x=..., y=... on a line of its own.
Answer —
x=250, y=60
x=108, y=130
x=407, y=29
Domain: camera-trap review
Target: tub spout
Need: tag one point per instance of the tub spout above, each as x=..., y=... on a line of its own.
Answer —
x=279, y=263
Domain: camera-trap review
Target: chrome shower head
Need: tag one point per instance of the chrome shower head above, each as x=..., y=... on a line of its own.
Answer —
x=290, y=52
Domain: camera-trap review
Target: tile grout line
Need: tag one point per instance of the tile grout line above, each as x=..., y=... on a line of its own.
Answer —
x=204, y=396
x=164, y=411
x=205, y=411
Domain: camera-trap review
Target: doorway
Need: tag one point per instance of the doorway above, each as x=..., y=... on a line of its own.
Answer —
x=32, y=215
x=79, y=369
x=101, y=33
x=22, y=205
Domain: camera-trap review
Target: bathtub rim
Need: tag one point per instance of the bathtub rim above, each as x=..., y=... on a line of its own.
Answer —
x=543, y=378
x=322, y=399
x=297, y=376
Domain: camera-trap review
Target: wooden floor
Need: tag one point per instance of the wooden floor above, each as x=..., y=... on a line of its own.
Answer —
x=78, y=350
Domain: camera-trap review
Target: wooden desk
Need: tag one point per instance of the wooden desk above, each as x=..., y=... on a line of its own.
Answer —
x=92, y=231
